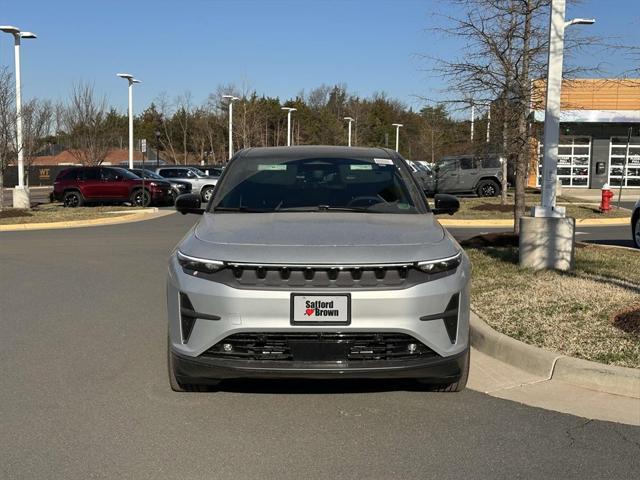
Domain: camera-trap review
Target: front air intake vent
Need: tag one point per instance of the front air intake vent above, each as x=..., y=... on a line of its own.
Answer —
x=187, y=317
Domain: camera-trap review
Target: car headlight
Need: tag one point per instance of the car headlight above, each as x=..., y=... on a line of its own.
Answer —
x=198, y=264
x=179, y=186
x=153, y=184
x=441, y=265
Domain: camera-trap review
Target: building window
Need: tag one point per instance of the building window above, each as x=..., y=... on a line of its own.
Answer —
x=574, y=155
x=618, y=150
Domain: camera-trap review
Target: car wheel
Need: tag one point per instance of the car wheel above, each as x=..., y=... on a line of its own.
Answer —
x=636, y=232
x=178, y=386
x=487, y=188
x=141, y=198
x=73, y=199
x=206, y=194
x=456, y=386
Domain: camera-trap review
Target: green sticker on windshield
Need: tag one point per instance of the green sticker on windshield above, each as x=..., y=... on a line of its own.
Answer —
x=364, y=166
x=276, y=166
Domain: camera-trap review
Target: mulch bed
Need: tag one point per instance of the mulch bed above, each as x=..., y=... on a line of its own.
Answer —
x=15, y=212
x=628, y=320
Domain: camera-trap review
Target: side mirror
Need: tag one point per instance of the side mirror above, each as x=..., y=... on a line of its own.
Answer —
x=445, y=204
x=189, y=203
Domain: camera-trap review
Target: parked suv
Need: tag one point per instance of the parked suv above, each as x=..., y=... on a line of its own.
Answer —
x=481, y=175
x=178, y=187
x=79, y=185
x=201, y=183
x=318, y=262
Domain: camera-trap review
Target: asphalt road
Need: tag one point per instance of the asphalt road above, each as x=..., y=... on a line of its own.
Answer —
x=84, y=391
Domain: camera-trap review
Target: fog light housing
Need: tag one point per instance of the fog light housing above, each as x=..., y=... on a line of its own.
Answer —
x=227, y=347
x=412, y=347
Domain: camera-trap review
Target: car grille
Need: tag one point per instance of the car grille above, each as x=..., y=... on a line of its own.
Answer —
x=351, y=347
x=367, y=277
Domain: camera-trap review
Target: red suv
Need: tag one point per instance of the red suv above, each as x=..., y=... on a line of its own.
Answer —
x=80, y=185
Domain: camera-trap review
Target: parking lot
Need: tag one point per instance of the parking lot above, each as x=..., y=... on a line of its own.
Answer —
x=84, y=391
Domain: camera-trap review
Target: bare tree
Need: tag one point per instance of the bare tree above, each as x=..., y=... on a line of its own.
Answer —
x=84, y=121
x=37, y=119
x=7, y=126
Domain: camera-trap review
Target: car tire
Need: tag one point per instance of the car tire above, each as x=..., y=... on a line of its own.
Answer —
x=178, y=386
x=456, y=386
x=206, y=194
x=140, y=198
x=487, y=188
x=636, y=232
x=73, y=199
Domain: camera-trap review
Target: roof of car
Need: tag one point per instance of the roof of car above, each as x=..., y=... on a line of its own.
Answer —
x=323, y=151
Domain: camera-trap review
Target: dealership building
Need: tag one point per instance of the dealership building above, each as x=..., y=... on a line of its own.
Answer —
x=595, y=118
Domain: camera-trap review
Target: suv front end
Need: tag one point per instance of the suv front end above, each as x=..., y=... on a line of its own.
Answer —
x=338, y=292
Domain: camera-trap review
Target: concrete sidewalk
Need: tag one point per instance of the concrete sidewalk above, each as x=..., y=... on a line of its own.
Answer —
x=594, y=194
x=500, y=380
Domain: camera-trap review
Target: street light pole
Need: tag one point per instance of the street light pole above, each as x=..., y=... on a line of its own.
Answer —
x=397, y=125
x=473, y=118
x=231, y=99
x=349, y=119
x=557, y=25
x=488, y=122
x=158, y=148
x=20, y=193
x=289, y=111
x=131, y=81
x=547, y=237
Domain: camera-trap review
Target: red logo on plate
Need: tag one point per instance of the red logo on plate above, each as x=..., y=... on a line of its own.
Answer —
x=309, y=312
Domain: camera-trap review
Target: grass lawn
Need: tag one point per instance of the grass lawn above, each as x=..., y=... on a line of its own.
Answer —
x=56, y=212
x=489, y=207
x=575, y=313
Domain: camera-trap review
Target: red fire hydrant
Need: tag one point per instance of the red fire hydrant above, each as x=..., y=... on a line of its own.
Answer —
x=605, y=201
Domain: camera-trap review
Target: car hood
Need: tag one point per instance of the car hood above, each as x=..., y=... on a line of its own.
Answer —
x=318, y=237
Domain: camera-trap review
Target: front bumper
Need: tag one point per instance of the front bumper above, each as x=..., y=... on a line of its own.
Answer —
x=203, y=370
x=236, y=310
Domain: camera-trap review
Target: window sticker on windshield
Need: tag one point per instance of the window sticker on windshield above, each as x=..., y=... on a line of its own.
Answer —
x=365, y=166
x=277, y=166
x=383, y=161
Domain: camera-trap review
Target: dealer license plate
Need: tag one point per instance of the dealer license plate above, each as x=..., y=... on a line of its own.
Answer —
x=326, y=309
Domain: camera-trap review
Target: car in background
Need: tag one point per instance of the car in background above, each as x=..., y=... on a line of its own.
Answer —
x=423, y=174
x=635, y=224
x=201, y=183
x=78, y=186
x=481, y=175
x=318, y=262
x=178, y=187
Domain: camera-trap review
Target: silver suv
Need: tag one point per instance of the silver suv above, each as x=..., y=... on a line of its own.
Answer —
x=318, y=262
x=201, y=183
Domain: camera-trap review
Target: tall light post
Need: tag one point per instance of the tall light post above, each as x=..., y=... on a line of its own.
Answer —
x=552, y=109
x=488, y=121
x=20, y=193
x=231, y=98
x=547, y=238
x=350, y=120
x=289, y=111
x=131, y=81
x=473, y=118
x=397, y=125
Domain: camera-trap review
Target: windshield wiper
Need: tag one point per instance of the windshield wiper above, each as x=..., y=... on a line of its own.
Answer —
x=322, y=208
x=239, y=209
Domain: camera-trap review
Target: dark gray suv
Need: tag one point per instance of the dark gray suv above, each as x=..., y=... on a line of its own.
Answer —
x=481, y=175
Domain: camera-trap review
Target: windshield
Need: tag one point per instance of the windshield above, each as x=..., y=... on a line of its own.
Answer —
x=148, y=174
x=198, y=172
x=316, y=184
x=125, y=173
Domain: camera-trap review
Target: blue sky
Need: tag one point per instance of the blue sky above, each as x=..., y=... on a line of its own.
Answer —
x=277, y=47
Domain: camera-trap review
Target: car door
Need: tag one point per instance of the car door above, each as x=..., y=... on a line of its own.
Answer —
x=90, y=182
x=114, y=185
x=447, y=175
x=468, y=173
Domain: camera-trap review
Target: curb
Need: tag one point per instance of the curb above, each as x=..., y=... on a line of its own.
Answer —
x=504, y=222
x=146, y=214
x=554, y=366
